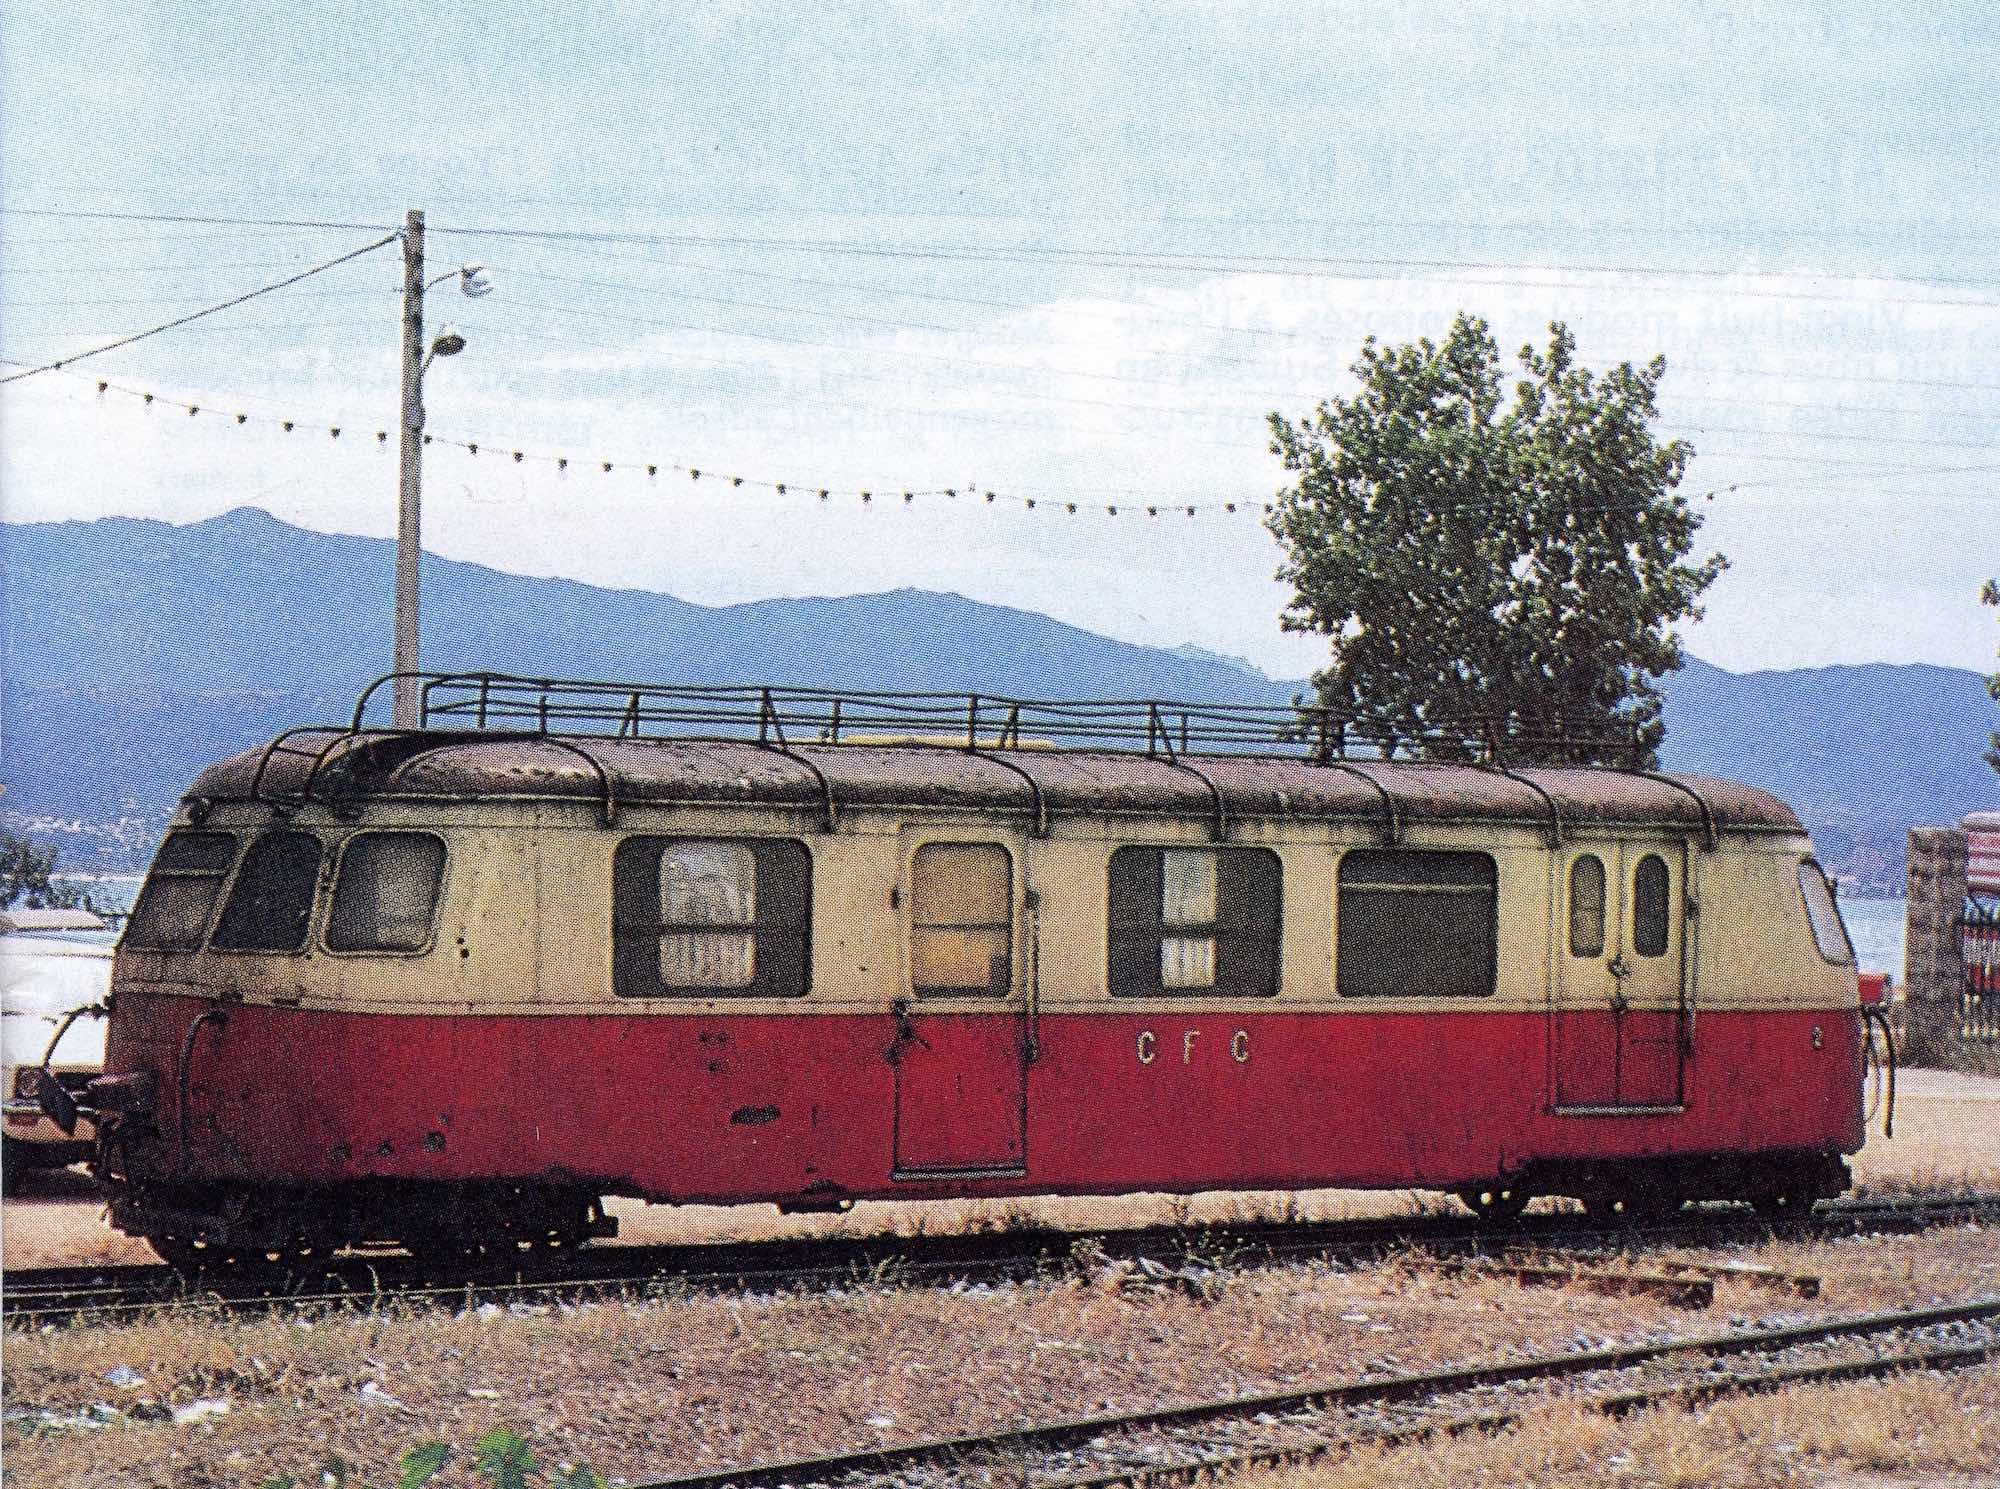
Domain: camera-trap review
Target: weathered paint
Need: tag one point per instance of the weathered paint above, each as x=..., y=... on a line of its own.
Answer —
x=500, y=1051
x=1115, y=1102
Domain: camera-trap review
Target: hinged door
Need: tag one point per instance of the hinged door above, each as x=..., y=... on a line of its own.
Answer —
x=1621, y=1022
x=962, y=1047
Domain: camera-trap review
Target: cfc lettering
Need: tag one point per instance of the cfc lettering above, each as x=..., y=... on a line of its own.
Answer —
x=1147, y=1046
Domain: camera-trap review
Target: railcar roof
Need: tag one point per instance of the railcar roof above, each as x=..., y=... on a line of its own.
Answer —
x=467, y=765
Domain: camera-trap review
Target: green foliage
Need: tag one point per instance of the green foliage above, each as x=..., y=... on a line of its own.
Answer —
x=25, y=877
x=505, y=1459
x=420, y=1463
x=1989, y=594
x=1471, y=558
x=502, y=1456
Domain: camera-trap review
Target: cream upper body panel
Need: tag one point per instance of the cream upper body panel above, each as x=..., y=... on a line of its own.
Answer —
x=525, y=924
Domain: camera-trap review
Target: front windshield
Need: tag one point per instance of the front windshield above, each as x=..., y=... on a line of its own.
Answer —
x=1823, y=914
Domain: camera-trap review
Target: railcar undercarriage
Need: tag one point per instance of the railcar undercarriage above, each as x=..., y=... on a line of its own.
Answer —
x=197, y=1226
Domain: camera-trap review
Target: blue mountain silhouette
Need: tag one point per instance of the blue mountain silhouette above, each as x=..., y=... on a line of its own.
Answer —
x=139, y=650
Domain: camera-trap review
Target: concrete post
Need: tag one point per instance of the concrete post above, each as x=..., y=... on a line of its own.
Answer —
x=1933, y=969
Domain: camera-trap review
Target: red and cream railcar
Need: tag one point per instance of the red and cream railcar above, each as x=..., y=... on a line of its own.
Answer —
x=451, y=986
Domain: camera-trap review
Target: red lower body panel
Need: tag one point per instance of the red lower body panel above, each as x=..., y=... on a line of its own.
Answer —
x=730, y=1108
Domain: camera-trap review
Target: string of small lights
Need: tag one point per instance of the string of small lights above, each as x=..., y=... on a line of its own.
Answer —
x=653, y=469
x=1132, y=503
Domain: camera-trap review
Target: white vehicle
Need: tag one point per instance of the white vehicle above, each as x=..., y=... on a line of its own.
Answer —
x=51, y=962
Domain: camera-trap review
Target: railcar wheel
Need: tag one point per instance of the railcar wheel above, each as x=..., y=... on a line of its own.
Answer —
x=445, y=1249
x=1630, y=1207
x=1780, y=1204
x=191, y=1258
x=1495, y=1204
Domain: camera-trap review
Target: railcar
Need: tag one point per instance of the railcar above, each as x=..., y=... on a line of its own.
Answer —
x=451, y=986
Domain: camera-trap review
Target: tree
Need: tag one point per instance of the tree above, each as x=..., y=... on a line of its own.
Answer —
x=1471, y=559
x=1989, y=594
x=26, y=876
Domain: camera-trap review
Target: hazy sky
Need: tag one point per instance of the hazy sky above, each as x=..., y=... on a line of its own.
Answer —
x=1065, y=253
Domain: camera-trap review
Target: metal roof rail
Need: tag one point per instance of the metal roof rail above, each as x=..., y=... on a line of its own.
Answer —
x=1172, y=731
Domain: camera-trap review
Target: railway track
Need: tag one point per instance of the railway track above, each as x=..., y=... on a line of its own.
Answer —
x=32, y=1297
x=1198, y=1442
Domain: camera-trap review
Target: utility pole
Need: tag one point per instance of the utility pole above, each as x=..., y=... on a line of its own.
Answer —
x=409, y=507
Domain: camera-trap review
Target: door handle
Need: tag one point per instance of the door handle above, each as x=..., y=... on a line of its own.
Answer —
x=1620, y=971
x=906, y=1032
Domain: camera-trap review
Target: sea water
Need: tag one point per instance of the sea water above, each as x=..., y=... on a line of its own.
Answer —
x=1876, y=929
x=1875, y=926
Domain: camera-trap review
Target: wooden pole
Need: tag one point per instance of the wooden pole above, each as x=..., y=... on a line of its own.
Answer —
x=409, y=506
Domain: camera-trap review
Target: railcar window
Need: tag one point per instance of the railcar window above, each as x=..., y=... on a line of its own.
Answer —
x=710, y=917
x=387, y=892
x=173, y=908
x=1586, y=906
x=271, y=903
x=712, y=886
x=1199, y=922
x=1650, y=918
x=1187, y=914
x=1823, y=913
x=1417, y=924
x=961, y=919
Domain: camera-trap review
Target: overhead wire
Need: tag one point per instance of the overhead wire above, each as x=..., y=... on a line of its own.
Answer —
x=904, y=293
x=873, y=320
x=198, y=219
x=71, y=304
x=228, y=304
x=1929, y=229
x=1857, y=469
x=902, y=354
x=1282, y=265
x=1147, y=311
x=15, y=271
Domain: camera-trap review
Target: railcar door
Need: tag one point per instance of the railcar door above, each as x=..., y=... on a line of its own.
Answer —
x=1621, y=1016
x=963, y=1013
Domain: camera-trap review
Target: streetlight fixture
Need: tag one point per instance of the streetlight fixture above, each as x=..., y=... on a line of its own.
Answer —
x=473, y=281
x=448, y=344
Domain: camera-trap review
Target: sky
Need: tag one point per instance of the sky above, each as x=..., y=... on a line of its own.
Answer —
x=1068, y=254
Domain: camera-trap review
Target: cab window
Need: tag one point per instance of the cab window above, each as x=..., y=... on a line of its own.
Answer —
x=961, y=919
x=1195, y=922
x=1823, y=915
x=1652, y=916
x=181, y=891
x=386, y=894
x=1417, y=925
x=270, y=904
x=1586, y=906
x=710, y=917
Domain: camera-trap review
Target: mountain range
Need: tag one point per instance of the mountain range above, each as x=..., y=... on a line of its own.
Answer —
x=137, y=651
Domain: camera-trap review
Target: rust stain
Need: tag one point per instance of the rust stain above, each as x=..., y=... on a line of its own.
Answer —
x=1069, y=781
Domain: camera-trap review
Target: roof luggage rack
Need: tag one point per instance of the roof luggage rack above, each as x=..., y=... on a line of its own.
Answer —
x=786, y=718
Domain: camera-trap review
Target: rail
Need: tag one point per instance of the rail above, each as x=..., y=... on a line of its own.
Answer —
x=784, y=718
x=1979, y=951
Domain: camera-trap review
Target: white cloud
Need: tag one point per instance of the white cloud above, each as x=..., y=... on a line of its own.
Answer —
x=1100, y=400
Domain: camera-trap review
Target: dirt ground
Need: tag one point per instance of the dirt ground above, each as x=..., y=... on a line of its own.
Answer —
x=1947, y=1136
x=647, y=1386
